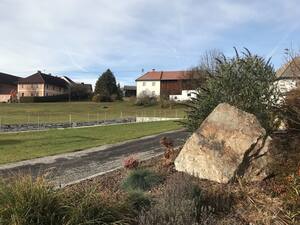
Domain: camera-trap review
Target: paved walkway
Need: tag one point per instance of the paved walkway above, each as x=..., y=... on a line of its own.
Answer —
x=76, y=166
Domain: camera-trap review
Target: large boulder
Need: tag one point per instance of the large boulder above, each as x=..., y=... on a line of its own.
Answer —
x=230, y=143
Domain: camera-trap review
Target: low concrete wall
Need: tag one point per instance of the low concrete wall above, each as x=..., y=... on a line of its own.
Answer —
x=47, y=126
x=153, y=119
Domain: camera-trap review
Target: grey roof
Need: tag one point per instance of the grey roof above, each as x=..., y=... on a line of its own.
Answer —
x=8, y=79
x=129, y=88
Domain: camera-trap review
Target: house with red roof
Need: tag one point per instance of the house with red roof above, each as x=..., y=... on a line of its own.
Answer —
x=176, y=85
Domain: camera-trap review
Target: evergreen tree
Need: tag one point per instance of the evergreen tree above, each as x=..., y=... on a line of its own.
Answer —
x=106, y=86
x=120, y=93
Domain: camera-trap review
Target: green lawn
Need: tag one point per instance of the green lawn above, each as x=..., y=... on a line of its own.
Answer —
x=20, y=146
x=79, y=111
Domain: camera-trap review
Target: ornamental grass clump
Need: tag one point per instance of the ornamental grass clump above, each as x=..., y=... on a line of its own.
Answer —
x=25, y=201
x=141, y=179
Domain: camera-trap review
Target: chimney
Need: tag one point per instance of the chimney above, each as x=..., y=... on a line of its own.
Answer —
x=153, y=70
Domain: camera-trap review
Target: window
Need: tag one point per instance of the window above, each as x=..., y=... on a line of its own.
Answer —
x=144, y=83
x=46, y=93
x=31, y=94
x=189, y=94
x=153, y=83
x=22, y=94
x=144, y=92
x=153, y=93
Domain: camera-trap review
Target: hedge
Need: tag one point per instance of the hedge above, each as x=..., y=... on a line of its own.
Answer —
x=54, y=98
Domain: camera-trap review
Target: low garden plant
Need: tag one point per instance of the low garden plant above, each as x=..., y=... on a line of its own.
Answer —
x=141, y=179
x=138, y=200
x=29, y=202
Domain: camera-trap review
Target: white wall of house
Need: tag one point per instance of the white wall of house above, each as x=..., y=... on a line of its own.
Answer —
x=286, y=85
x=4, y=98
x=151, y=88
x=185, y=95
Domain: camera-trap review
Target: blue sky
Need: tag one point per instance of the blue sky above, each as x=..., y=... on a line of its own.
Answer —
x=82, y=38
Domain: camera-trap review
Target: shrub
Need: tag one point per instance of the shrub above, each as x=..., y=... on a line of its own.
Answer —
x=183, y=202
x=246, y=82
x=176, y=205
x=29, y=202
x=165, y=102
x=138, y=200
x=96, y=98
x=131, y=162
x=291, y=109
x=146, y=100
x=141, y=179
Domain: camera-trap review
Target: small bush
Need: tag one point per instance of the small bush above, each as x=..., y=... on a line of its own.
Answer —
x=165, y=102
x=141, y=179
x=291, y=109
x=146, y=100
x=138, y=200
x=96, y=98
x=29, y=202
x=131, y=162
x=183, y=202
x=87, y=206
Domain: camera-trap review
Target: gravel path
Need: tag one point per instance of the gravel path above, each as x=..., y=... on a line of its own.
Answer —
x=73, y=167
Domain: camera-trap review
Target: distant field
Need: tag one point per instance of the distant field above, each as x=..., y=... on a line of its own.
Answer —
x=79, y=111
x=28, y=145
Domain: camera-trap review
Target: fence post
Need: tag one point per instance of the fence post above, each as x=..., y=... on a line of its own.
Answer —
x=97, y=117
x=0, y=124
x=105, y=116
x=88, y=117
x=28, y=118
x=38, y=121
x=176, y=115
x=70, y=120
x=121, y=114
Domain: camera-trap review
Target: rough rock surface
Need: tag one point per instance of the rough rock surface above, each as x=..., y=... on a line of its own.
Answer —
x=229, y=143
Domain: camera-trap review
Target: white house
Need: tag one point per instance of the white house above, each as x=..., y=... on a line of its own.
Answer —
x=288, y=76
x=176, y=85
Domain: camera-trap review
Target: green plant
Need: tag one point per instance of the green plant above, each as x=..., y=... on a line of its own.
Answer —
x=183, y=202
x=146, y=100
x=141, y=179
x=246, y=82
x=137, y=200
x=290, y=110
x=25, y=201
x=179, y=204
x=86, y=206
x=165, y=102
x=106, y=87
x=96, y=98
